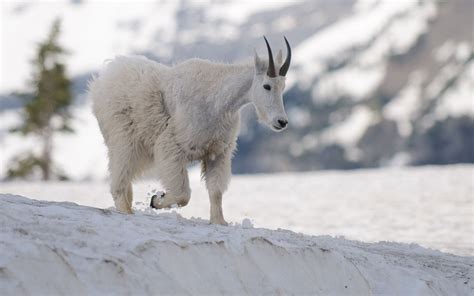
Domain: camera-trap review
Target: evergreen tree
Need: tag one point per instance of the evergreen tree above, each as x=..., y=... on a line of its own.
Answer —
x=46, y=110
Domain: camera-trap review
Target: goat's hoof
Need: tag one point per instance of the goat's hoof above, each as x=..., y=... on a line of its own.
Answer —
x=218, y=221
x=124, y=210
x=152, y=201
x=156, y=200
x=123, y=207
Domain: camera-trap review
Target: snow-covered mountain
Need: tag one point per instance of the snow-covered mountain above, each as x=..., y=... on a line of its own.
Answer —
x=372, y=82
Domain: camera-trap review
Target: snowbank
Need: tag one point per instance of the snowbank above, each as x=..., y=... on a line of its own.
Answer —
x=64, y=248
x=431, y=205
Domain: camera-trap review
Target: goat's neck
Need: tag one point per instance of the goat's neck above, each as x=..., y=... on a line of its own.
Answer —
x=238, y=84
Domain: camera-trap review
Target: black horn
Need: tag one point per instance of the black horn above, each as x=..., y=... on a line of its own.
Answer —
x=286, y=65
x=271, y=72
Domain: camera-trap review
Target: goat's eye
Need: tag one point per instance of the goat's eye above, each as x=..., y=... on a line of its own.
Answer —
x=267, y=87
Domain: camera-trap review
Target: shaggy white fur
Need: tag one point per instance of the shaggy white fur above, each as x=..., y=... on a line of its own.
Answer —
x=157, y=117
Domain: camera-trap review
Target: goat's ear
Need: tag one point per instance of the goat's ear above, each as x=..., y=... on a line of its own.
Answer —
x=260, y=66
x=279, y=59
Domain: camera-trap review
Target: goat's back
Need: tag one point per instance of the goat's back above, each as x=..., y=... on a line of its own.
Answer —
x=124, y=78
x=127, y=100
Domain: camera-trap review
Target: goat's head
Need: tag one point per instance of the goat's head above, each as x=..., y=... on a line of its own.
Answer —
x=267, y=88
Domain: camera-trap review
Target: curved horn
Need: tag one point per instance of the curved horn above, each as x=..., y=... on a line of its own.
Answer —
x=271, y=72
x=286, y=64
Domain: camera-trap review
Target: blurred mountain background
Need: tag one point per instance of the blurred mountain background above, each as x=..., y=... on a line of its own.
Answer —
x=372, y=83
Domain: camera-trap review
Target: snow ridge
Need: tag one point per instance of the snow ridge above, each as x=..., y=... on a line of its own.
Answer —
x=97, y=251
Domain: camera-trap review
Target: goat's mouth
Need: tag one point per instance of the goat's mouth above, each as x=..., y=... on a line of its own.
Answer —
x=277, y=128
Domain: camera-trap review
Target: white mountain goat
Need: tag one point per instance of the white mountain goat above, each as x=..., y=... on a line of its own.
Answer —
x=160, y=117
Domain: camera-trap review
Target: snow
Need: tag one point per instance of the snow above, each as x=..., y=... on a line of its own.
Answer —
x=430, y=206
x=246, y=223
x=238, y=11
x=284, y=23
x=346, y=132
x=403, y=34
x=356, y=82
x=459, y=100
x=404, y=108
x=463, y=51
x=349, y=33
x=363, y=5
x=349, y=131
x=370, y=35
x=445, y=51
x=97, y=251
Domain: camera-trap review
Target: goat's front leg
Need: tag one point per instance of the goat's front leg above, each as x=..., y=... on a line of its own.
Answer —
x=174, y=178
x=217, y=172
x=171, y=169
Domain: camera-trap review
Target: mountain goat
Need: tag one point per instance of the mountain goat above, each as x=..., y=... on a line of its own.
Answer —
x=161, y=117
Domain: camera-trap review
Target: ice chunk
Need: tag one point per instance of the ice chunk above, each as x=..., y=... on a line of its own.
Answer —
x=246, y=223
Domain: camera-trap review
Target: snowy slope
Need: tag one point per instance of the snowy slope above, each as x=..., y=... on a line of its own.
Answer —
x=429, y=206
x=95, y=251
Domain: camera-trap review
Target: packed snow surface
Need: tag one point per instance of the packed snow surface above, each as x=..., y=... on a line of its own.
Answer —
x=431, y=206
x=62, y=248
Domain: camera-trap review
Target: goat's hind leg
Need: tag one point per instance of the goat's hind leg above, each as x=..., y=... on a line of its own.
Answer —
x=121, y=190
x=121, y=173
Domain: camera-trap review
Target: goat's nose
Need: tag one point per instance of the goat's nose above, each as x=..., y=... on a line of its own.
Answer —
x=283, y=122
